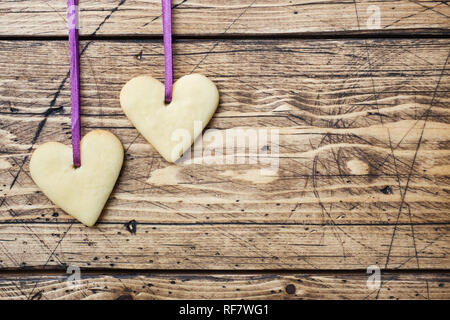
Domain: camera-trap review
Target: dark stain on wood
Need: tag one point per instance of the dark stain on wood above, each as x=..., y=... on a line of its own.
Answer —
x=290, y=289
x=387, y=190
x=131, y=226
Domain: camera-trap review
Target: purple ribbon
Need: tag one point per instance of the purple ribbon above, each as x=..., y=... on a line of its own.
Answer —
x=167, y=34
x=72, y=15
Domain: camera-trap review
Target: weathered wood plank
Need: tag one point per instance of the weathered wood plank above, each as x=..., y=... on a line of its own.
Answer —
x=363, y=157
x=339, y=285
x=218, y=17
x=224, y=246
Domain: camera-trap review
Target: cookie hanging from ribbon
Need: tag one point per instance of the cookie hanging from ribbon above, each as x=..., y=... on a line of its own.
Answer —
x=79, y=181
x=168, y=115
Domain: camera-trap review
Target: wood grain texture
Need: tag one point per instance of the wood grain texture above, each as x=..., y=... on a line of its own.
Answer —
x=363, y=154
x=225, y=286
x=225, y=246
x=218, y=17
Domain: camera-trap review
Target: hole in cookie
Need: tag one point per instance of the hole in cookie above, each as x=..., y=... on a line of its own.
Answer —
x=167, y=98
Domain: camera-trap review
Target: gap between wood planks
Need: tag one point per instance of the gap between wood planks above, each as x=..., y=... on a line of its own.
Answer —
x=343, y=35
x=58, y=271
x=121, y=223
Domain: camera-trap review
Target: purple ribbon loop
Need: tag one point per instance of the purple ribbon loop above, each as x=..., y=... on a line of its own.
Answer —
x=72, y=15
x=167, y=34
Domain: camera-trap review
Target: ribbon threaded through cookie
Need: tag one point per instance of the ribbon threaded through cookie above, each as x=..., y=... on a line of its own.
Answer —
x=72, y=14
x=167, y=35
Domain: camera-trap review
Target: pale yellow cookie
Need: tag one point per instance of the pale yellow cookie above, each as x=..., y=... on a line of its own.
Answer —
x=81, y=192
x=171, y=128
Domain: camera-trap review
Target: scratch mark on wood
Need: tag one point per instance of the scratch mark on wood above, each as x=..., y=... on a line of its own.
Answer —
x=226, y=29
x=51, y=254
x=414, y=159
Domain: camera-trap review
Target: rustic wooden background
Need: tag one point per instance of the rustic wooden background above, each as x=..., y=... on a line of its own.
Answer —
x=363, y=116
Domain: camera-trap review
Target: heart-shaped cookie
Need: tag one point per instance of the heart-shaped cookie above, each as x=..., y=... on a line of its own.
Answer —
x=170, y=128
x=81, y=192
